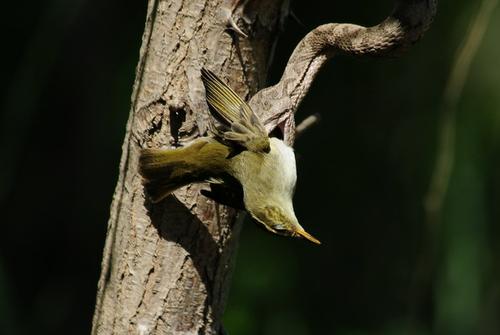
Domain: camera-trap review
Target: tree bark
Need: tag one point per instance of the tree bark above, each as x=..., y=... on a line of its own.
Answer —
x=166, y=268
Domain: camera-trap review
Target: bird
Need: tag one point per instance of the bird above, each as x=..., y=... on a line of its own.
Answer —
x=238, y=154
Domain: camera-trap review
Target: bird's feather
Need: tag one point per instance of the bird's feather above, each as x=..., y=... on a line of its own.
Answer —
x=237, y=122
x=165, y=170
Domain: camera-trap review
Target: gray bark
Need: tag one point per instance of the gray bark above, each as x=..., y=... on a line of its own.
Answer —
x=166, y=268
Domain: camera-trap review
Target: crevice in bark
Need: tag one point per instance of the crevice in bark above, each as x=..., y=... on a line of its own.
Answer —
x=177, y=118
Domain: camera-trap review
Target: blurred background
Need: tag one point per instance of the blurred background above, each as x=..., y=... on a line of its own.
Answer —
x=401, y=185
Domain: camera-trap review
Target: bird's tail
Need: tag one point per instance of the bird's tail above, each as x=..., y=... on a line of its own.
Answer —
x=164, y=171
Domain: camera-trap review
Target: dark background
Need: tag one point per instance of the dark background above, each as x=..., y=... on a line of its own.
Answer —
x=68, y=69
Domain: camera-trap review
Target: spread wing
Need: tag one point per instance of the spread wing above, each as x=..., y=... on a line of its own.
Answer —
x=237, y=122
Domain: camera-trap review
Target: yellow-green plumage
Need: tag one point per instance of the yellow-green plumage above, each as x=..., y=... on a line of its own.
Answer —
x=165, y=171
x=241, y=155
x=237, y=122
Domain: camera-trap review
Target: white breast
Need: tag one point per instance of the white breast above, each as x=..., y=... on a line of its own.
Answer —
x=270, y=178
x=285, y=169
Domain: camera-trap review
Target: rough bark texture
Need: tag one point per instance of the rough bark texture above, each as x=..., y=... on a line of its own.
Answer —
x=166, y=267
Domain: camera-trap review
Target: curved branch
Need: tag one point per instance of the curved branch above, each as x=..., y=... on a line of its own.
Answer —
x=407, y=23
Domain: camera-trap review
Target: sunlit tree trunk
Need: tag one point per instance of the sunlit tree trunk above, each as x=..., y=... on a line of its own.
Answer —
x=166, y=267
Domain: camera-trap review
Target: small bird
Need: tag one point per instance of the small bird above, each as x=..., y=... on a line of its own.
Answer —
x=240, y=153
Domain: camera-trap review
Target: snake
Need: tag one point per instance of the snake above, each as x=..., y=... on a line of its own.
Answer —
x=276, y=104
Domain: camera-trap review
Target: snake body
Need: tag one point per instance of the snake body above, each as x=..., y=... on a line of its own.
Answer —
x=277, y=104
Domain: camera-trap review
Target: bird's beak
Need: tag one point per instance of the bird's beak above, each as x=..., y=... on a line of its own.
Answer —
x=307, y=236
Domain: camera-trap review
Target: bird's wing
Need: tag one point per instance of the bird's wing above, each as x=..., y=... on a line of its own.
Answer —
x=237, y=122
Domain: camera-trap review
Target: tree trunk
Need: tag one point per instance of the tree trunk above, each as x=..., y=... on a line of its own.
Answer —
x=166, y=267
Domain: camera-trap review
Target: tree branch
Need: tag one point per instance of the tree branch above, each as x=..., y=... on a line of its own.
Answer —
x=407, y=23
x=307, y=124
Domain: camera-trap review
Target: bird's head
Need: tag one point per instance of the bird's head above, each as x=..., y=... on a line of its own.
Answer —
x=278, y=221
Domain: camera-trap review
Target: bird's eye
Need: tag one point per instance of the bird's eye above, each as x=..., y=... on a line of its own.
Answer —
x=281, y=230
